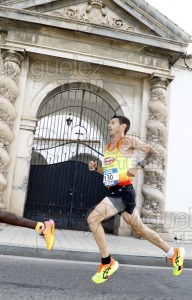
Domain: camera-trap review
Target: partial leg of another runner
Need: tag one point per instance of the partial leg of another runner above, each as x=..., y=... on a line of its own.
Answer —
x=45, y=229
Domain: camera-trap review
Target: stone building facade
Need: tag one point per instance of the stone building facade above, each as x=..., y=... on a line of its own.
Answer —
x=119, y=53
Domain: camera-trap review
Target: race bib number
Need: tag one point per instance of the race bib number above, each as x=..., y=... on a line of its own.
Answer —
x=110, y=177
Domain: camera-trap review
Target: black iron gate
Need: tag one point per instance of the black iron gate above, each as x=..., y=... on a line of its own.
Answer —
x=71, y=130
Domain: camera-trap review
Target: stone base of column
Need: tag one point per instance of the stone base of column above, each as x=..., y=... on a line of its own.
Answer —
x=123, y=231
x=121, y=228
x=158, y=226
x=167, y=237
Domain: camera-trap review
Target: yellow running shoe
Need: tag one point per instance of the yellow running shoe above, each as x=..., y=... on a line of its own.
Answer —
x=177, y=260
x=49, y=233
x=105, y=271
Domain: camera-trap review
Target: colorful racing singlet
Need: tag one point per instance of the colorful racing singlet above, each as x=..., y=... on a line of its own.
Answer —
x=115, y=166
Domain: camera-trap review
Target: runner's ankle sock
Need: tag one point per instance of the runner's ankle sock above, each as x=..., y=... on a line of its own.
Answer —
x=40, y=227
x=106, y=260
x=170, y=253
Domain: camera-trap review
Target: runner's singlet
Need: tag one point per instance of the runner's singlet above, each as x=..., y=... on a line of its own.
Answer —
x=115, y=166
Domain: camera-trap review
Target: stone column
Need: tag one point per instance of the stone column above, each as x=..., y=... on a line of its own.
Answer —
x=8, y=94
x=22, y=162
x=154, y=179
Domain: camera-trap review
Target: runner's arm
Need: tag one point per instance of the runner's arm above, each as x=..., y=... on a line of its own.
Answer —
x=151, y=155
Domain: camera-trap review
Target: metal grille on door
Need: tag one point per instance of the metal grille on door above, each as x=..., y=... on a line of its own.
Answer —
x=71, y=130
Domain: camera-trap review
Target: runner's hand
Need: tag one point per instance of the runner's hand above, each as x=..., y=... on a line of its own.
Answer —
x=132, y=172
x=92, y=165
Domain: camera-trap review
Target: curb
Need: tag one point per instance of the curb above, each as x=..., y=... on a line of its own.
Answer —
x=86, y=256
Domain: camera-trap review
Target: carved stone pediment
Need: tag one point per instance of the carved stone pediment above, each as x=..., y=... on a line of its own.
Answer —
x=127, y=15
x=93, y=12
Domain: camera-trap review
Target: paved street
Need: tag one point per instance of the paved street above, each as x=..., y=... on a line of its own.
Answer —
x=79, y=245
x=39, y=279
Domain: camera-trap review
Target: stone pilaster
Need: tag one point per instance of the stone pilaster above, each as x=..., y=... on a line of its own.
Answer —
x=8, y=94
x=154, y=179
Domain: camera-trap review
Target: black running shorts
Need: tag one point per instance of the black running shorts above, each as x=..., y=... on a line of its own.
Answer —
x=122, y=197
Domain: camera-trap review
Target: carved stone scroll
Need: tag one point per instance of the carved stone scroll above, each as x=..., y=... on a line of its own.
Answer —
x=95, y=12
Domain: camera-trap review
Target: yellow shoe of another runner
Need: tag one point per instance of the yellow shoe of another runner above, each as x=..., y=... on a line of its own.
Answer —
x=177, y=260
x=49, y=234
x=105, y=271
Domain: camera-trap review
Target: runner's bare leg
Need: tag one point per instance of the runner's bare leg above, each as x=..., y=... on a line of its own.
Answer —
x=102, y=211
x=142, y=230
x=13, y=219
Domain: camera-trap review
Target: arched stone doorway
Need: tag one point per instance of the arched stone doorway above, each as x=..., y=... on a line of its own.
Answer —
x=71, y=129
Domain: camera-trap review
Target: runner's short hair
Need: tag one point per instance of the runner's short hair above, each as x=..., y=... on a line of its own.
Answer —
x=123, y=120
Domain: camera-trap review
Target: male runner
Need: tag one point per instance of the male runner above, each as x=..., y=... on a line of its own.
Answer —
x=118, y=173
x=46, y=229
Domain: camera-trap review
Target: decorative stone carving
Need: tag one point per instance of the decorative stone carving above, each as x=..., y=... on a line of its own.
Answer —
x=7, y=112
x=155, y=179
x=4, y=143
x=153, y=202
x=158, y=95
x=156, y=132
x=8, y=93
x=160, y=162
x=5, y=132
x=12, y=61
x=158, y=112
x=153, y=189
x=8, y=89
x=96, y=13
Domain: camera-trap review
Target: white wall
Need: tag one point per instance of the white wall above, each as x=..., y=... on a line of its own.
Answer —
x=179, y=167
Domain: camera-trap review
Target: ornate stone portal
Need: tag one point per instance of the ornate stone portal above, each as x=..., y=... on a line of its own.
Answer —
x=8, y=94
x=153, y=188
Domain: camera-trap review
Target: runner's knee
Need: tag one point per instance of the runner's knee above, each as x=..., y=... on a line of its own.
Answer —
x=94, y=217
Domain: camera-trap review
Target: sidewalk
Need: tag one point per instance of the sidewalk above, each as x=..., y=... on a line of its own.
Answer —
x=80, y=245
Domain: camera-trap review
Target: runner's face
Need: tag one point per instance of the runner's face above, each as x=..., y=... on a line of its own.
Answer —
x=115, y=128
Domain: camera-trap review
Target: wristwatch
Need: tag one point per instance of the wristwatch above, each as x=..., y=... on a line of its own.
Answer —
x=141, y=164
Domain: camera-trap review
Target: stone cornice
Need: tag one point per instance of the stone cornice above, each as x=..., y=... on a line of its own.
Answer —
x=153, y=19
x=124, y=65
x=28, y=123
x=140, y=10
x=54, y=21
x=19, y=49
x=24, y=3
x=169, y=78
x=10, y=16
